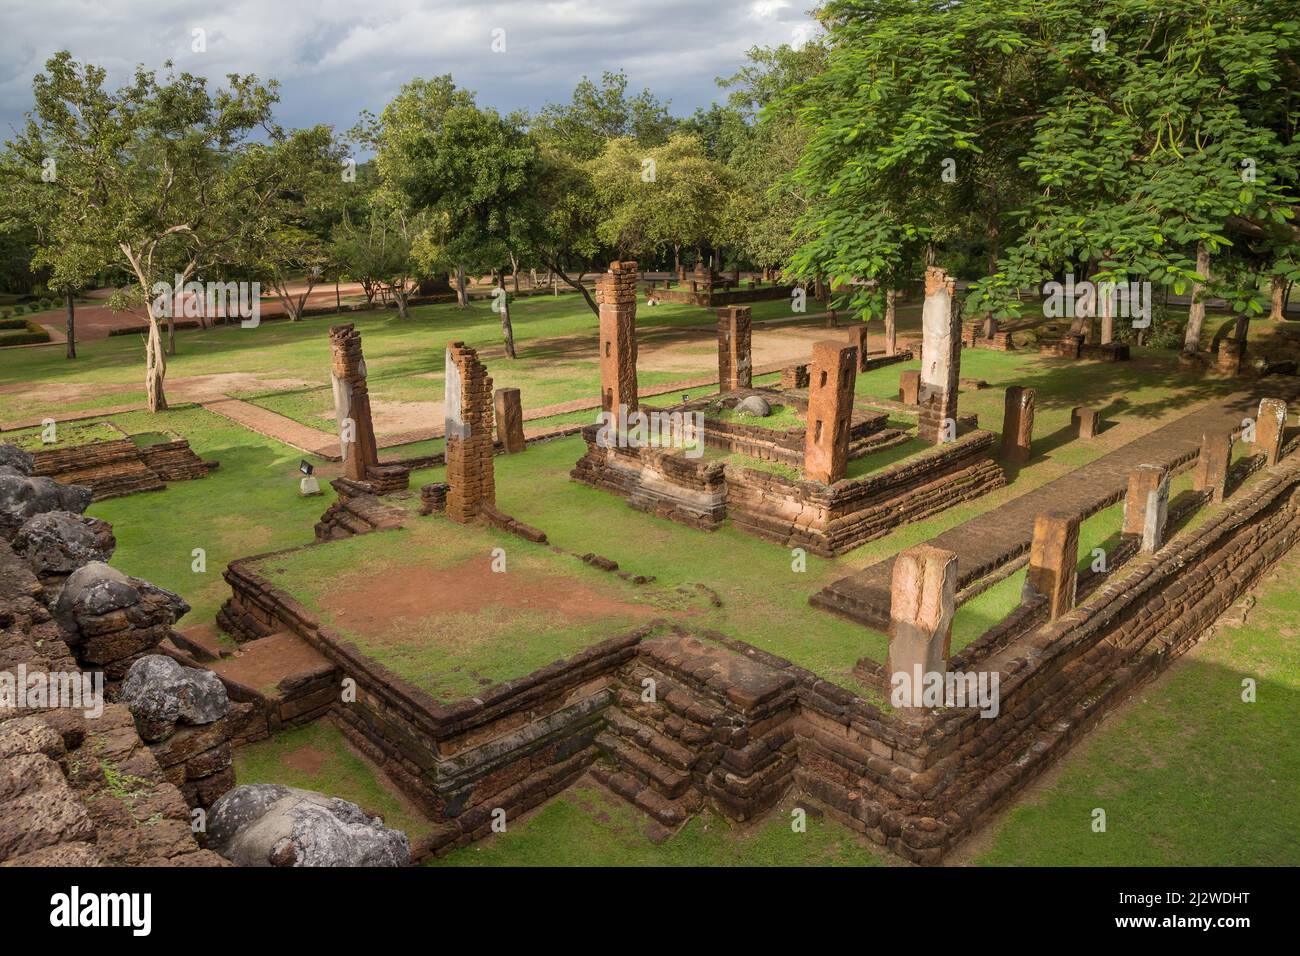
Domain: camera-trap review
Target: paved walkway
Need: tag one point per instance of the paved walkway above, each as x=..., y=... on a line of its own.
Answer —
x=986, y=542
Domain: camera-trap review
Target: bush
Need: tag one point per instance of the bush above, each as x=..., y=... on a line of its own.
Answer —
x=29, y=334
x=8, y=323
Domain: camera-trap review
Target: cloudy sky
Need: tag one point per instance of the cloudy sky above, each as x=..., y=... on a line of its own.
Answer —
x=335, y=57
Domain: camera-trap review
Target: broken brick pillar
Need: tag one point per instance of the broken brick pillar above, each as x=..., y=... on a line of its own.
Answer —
x=1232, y=357
x=1211, y=473
x=616, y=295
x=1053, y=556
x=922, y=602
x=703, y=283
x=940, y=359
x=1086, y=422
x=1270, y=427
x=858, y=339
x=468, y=408
x=510, y=419
x=735, y=361
x=1146, y=507
x=832, y=376
x=909, y=387
x=1018, y=424
x=352, y=403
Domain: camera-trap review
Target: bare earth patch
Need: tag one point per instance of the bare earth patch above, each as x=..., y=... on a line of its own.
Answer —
x=373, y=604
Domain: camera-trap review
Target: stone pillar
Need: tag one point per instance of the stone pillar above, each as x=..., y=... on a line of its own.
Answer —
x=1270, y=428
x=832, y=377
x=940, y=357
x=510, y=420
x=922, y=602
x=891, y=329
x=909, y=387
x=1086, y=422
x=1212, y=466
x=1018, y=424
x=858, y=339
x=352, y=403
x=735, y=361
x=616, y=296
x=1053, y=557
x=467, y=396
x=1146, y=507
x=703, y=283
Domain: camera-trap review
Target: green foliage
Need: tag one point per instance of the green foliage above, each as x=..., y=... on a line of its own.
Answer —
x=598, y=114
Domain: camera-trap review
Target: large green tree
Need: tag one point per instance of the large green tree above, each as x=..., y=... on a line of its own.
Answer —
x=159, y=176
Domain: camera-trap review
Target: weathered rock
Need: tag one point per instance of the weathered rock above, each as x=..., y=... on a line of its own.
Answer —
x=754, y=405
x=273, y=825
x=96, y=589
x=160, y=693
x=11, y=456
x=59, y=542
x=22, y=497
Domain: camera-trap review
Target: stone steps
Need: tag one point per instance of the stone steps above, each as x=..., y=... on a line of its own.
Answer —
x=660, y=746
x=649, y=769
x=669, y=812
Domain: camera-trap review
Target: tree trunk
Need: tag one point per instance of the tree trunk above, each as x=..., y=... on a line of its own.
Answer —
x=557, y=271
x=402, y=297
x=155, y=369
x=1278, y=312
x=462, y=296
x=891, y=330
x=1196, y=311
x=171, y=329
x=514, y=272
x=507, y=330
x=72, y=337
x=338, y=299
x=1106, y=309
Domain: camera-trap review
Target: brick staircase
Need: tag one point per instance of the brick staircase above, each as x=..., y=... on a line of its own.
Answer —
x=691, y=720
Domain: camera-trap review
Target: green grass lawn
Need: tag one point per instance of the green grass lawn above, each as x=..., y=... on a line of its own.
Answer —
x=317, y=757
x=587, y=826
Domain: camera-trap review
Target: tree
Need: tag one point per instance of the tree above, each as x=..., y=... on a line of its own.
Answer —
x=466, y=168
x=666, y=198
x=153, y=176
x=379, y=252
x=596, y=114
x=290, y=241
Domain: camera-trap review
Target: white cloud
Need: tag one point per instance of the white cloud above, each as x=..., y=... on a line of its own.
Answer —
x=334, y=57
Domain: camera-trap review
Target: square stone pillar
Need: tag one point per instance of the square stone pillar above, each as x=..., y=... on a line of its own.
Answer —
x=1018, y=424
x=1086, y=422
x=832, y=376
x=467, y=398
x=940, y=358
x=357, y=444
x=858, y=339
x=616, y=297
x=1053, y=557
x=1146, y=507
x=909, y=387
x=1212, y=466
x=1270, y=428
x=922, y=602
x=1232, y=357
x=735, y=360
x=510, y=420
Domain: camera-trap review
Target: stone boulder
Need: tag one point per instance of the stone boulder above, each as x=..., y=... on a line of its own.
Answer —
x=59, y=542
x=267, y=824
x=755, y=406
x=15, y=461
x=160, y=693
x=23, y=497
x=110, y=617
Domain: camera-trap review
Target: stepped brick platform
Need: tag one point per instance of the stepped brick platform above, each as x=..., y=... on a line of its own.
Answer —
x=112, y=469
x=358, y=510
x=825, y=519
x=986, y=543
x=672, y=720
